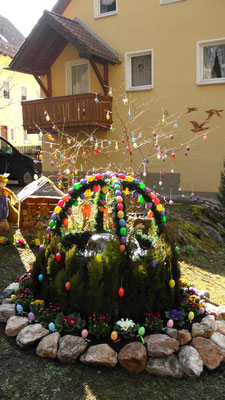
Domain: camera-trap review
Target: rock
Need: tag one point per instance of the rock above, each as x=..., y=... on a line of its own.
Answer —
x=184, y=336
x=191, y=362
x=165, y=366
x=221, y=329
x=171, y=332
x=212, y=310
x=15, y=324
x=6, y=300
x=159, y=345
x=48, y=346
x=30, y=335
x=209, y=352
x=219, y=339
x=8, y=291
x=222, y=311
x=70, y=348
x=213, y=233
x=201, y=330
x=7, y=311
x=200, y=293
x=210, y=321
x=133, y=357
x=100, y=355
x=223, y=351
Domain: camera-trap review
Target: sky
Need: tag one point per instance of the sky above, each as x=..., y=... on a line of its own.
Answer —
x=24, y=14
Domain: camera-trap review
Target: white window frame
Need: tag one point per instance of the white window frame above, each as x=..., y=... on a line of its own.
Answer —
x=128, y=77
x=200, y=47
x=97, y=12
x=13, y=137
x=3, y=84
x=69, y=66
x=162, y=2
x=24, y=86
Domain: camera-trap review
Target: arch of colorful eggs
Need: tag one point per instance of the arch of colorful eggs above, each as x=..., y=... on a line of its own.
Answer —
x=119, y=185
x=114, y=283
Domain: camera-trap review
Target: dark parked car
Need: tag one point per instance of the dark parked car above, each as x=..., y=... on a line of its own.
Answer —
x=19, y=166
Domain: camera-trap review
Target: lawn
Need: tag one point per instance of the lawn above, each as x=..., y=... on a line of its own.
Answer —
x=23, y=375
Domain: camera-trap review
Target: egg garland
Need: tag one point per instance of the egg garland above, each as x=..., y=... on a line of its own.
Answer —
x=119, y=185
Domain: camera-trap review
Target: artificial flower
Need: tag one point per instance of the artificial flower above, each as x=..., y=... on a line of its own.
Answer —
x=125, y=324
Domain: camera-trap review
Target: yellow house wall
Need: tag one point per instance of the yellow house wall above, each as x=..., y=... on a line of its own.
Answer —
x=11, y=110
x=172, y=31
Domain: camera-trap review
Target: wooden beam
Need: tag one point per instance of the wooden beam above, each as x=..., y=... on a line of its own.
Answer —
x=49, y=83
x=95, y=68
x=106, y=78
x=41, y=85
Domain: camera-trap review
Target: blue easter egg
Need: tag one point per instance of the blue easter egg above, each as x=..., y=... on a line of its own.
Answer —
x=40, y=277
x=51, y=326
x=122, y=222
x=19, y=308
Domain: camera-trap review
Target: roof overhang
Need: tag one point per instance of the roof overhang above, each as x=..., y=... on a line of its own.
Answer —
x=48, y=39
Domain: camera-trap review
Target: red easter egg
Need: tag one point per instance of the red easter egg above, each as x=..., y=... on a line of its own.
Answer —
x=58, y=257
x=65, y=221
x=119, y=206
x=121, y=292
x=61, y=203
x=67, y=285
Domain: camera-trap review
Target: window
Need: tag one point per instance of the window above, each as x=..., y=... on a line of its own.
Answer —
x=25, y=137
x=12, y=135
x=40, y=137
x=139, y=70
x=23, y=93
x=6, y=90
x=77, y=77
x=211, y=61
x=105, y=7
x=5, y=147
x=169, y=1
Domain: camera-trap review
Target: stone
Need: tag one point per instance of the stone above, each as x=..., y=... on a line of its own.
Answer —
x=184, y=336
x=210, y=321
x=15, y=324
x=8, y=291
x=7, y=311
x=100, y=355
x=30, y=335
x=191, y=362
x=70, y=348
x=6, y=300
x=222, y=311
x=171, y=332
x=133, y=357
x=213, y=233
x=223, y=351
x=48, y=346
x=209, y=352
x=219, y=339
x=201, y=330
x=221, y=329
x=200, y=293
x=165, y=366
x=159, y=345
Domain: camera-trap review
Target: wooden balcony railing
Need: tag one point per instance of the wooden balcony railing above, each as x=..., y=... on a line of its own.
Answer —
x=67, y=112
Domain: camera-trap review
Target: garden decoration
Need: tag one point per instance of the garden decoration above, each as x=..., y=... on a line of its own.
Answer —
x=6, y=198
x=116, y=273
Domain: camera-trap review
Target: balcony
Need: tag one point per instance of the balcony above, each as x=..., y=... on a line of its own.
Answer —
x=69, y=113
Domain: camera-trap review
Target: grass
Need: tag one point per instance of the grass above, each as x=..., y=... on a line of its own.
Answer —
x=25, y=375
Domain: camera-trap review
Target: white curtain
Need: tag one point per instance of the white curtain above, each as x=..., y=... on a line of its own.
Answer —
x=209, y=61
x=80, y=83
x=141, y=70
x=107, y=6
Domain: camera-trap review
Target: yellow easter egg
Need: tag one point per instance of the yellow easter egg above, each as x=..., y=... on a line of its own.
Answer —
x=104, y=190
x=120, y=214
x=98, y=258
x=57, y=209
x=129, y=179
x=159, y=207
x=90, y=178
x=88, y=192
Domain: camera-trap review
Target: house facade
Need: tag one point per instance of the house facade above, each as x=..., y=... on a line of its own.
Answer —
x=163, y=57
x=14, y=88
